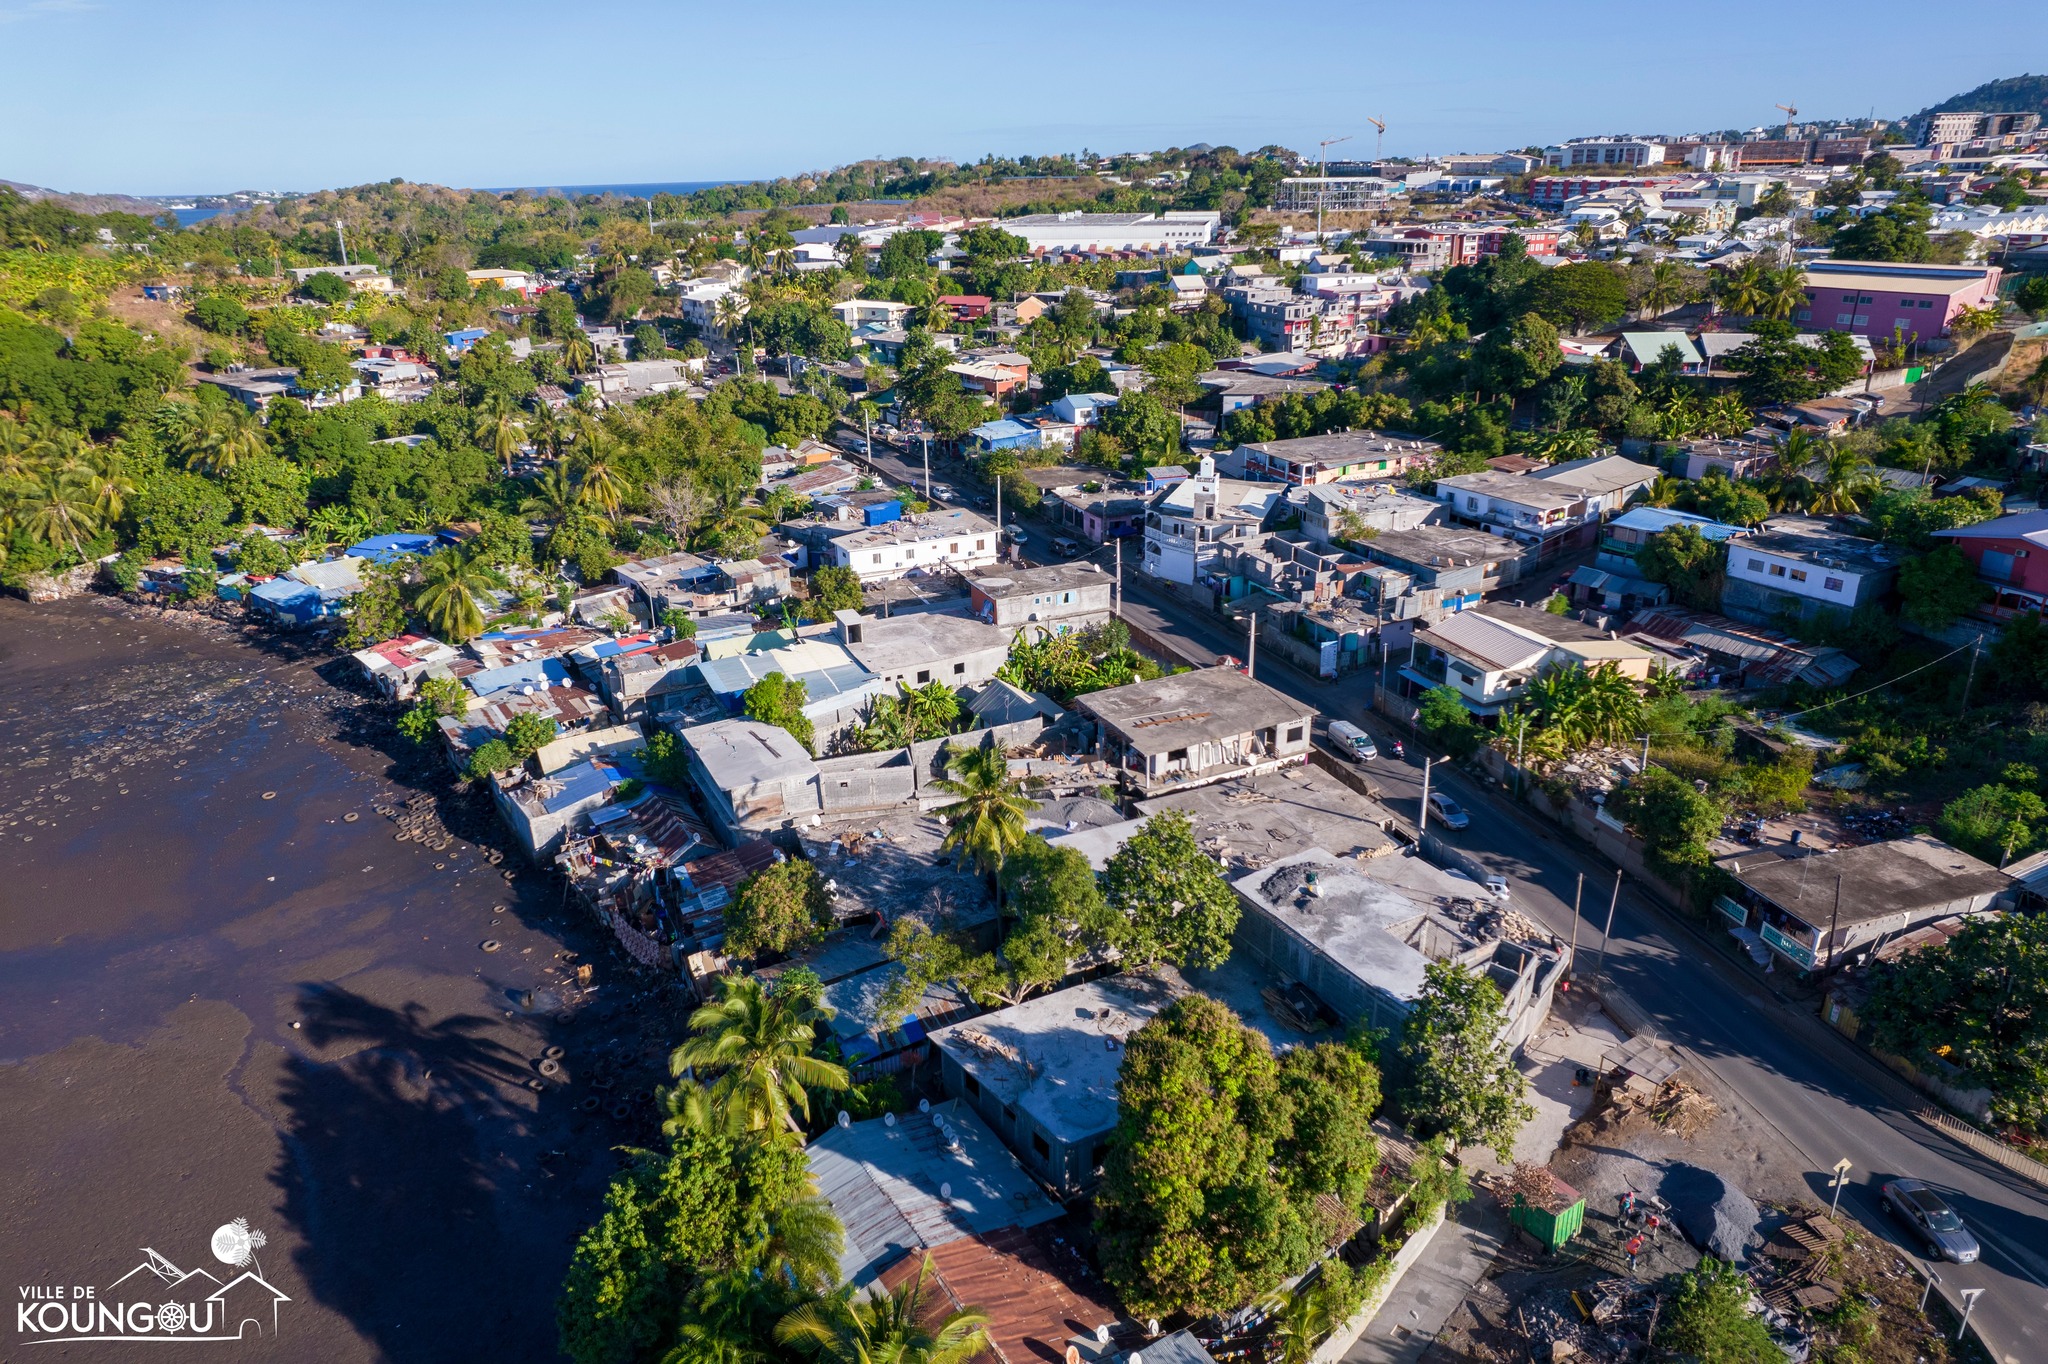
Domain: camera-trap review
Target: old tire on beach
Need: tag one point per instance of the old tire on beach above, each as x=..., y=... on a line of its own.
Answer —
x=491, y=944
x=537, y=1086
x=549, y=1067
x=270, y=795
x=350, y=818
x=555, y=1053
x=590, y=1103
x=622, y=1109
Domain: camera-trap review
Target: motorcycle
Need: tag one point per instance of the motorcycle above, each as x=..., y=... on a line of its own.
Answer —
x=1394, y=747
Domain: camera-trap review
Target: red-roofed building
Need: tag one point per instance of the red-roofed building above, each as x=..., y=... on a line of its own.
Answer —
x=967, y=307
x=1037, y=1295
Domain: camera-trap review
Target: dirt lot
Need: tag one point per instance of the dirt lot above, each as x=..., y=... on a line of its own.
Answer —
x=1862, y=1298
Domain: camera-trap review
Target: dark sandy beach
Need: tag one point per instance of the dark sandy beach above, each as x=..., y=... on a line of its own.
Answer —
x=216, y=1005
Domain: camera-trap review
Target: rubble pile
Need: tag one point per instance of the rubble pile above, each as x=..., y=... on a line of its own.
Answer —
x=1607, y=1322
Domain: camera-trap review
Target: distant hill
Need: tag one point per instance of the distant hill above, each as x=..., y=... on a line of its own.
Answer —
x=2014, y=94
x=87, y=203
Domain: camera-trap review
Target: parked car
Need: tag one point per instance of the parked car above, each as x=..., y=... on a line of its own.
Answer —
x=1352, y=742
x=1497, y=887
x=1931, y=1219
x=1065, y=548
x=1448, y=812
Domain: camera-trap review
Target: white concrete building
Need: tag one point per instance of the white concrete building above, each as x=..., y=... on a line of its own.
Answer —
x=698, y=301
x=862, y=312
x=1103, y=233
x=1201, y=519
x=953, y=539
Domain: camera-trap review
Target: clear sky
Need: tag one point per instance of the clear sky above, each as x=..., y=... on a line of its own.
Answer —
x=196, y=96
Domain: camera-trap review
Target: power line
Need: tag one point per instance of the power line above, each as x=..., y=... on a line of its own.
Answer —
x=1882, y=685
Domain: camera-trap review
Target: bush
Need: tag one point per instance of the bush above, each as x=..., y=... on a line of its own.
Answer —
x=495, y=755
x=778, y=910
x=1444, y=718
x=526, y=734
x=220, y=315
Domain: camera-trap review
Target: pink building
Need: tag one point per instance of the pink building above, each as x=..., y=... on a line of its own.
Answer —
x=1872, y=298
x=2010, y=555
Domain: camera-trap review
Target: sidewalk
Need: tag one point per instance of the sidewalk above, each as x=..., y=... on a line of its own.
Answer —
x=1434, y=1285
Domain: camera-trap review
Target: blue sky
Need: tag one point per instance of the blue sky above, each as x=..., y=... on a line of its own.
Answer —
x=177, y=96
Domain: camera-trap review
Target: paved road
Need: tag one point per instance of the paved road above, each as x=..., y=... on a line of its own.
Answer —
x=1827, y=1099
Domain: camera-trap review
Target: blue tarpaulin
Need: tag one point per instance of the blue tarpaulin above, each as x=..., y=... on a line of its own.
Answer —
x=294, y=601
x=384, y=549
x=540, y=672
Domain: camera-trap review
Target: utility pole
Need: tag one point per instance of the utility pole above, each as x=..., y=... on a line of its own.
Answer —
x=1422, y=824
x=1612, y=901
x=927, y=465
x=1573, y=964
x=1251, y=656
x=341, y=237
x=1968, y=681
x=1116, y=593
x=1646, y=753
x=999, y=518
x=1323, y=178
x=1833, y=920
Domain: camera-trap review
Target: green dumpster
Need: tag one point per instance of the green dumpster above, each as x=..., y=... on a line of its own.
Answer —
x=1551, y=1216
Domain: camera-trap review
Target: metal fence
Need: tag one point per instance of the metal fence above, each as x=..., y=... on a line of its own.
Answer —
x=1984, y=1144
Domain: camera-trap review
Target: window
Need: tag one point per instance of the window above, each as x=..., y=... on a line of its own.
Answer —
x=1848, y=298
x=971, y=1085
x=1756, y=565
x=1294, y=735
x=878, y=558
x=1038, y=1145
x=1831, y=584
x=1777, y=570
x=981, y=544
x=1009, y=1115
x=953, y=548
x=1178, y=755
x=959, y=669
x=1996, y=566
x=1844, y=319
x=1471, y=504
x=1798, y=575
x=924, y=676
x=1927, y=303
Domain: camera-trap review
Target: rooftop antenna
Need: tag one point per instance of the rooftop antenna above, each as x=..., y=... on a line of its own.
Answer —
x=1791, y=113
x=1379, y=139
x=1323, y=174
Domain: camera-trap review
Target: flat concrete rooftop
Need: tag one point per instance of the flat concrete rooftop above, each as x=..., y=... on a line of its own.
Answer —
x=1203, y=706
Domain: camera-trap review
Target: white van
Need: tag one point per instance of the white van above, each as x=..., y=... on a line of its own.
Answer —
x=1351, y=741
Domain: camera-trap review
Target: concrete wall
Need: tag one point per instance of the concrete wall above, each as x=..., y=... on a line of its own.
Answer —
x=1283, y=954
x=1064, y=1165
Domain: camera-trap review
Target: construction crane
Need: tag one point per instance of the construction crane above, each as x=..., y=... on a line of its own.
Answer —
x=1791, y=113
x=1323, y=176
x=1379, y=140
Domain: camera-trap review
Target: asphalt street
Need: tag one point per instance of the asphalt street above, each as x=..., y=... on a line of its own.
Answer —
x=1827, y=1099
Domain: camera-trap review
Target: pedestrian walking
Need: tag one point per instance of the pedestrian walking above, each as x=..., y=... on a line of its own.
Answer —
x=1635, y=1248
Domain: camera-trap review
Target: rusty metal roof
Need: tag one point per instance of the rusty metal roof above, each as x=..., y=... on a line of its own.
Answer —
x=1034, y=1285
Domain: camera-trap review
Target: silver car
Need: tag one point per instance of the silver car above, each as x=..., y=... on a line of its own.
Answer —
x=1931, y=1219
x=1447, y=812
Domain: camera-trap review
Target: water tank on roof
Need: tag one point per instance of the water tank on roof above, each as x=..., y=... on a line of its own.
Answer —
x=884, y=512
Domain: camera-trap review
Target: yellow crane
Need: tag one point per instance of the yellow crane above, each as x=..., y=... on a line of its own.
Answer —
x=1791, y=113
x=1379, y=140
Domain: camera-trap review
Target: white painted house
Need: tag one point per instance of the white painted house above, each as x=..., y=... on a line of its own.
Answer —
x=954, y=539
x=1197, y=521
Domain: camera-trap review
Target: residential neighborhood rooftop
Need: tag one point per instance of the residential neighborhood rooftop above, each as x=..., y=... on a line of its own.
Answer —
x=1876, y=880
x=1183, y=709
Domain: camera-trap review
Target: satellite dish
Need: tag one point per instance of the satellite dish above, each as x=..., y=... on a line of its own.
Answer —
x=1152, y=1326
x=845, y=1118
x=1102, y=1335
x=945, y=1190
x=888, y=1120
x=924, y=1105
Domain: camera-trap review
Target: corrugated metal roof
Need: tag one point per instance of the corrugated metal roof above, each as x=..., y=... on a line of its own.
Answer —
x=1490, y=643
x=1038, y=1296
x=901, y=1186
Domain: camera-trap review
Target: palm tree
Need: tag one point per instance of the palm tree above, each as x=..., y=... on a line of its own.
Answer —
x=893, y=1327
x=224, y=437
x=1726, y=415
x=450, y=583
x=499, y=428
x=546, y=430
x=729, y=1320
x=554, y=497
x=1613, y=706
x=60, y=511
x=101, y=474
x=1664, y=490
x=1668, y=288
x=1784, y=292
x=599, y=483
x=759, y=1047
x=577, y=353
x=1745, y=288
x=734, y=525
x=1846, y=477
x=987, y=821
x=728, y=312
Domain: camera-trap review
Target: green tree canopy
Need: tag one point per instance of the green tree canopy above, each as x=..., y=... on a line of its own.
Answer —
x=1688, y=563
x=1939, y=588
x=1175, y=906
x=779, y=700
x=1207, y=1200
x=1710, y=1320
x=1456, y=1078
x=778, y=910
